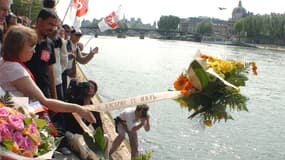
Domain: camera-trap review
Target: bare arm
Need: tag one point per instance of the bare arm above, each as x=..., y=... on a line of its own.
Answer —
x=85, y=59
x=28, y=87
x=137, y=127
x=146, y=124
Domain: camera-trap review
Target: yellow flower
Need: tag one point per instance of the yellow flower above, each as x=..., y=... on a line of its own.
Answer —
x=216, y=66
x=208, y=123
x=183, y=104
x=226, y=66
x=239, y=64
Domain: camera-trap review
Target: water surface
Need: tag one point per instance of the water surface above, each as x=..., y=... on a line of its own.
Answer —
x=130, y=67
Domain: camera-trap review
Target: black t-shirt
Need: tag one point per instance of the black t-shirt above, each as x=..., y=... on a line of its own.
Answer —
x=42, y=58
x=57, y=42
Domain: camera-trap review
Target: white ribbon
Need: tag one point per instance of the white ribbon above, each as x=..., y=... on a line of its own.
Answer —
x=132, y=101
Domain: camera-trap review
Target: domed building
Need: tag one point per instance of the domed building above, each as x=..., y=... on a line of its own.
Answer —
x=239, y=12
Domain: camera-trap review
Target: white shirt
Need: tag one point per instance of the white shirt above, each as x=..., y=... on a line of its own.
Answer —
x=57, y=69
x=2, y=92
x=73, y=49
x=64, y=55
x=128, y=115
x=11, y=71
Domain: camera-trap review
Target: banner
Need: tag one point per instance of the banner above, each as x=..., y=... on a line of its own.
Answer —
x=133, y=101
x=111, y=21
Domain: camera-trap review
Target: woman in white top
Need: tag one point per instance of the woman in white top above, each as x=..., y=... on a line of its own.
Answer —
x=15, y=77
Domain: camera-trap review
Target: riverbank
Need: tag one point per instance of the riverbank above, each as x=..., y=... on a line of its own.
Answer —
x=270, y=46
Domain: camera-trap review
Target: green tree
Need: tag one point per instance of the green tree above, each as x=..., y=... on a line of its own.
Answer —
x=262, y=28
x=205, y=27
x=122, y=27
x=22, y=8
x=168, y=22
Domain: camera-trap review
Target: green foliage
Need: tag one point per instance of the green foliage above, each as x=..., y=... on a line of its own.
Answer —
x=144, y=156
x=22, y=8
x=96, y=143
x=7, y=100
x=168, y=23
x=200, y=73
x=205, y=27
x=217, y=98
x=214, y=102
x=261, y=28
x=122, y=27
x=8, y=143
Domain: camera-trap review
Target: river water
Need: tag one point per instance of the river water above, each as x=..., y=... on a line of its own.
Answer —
x=130, y=67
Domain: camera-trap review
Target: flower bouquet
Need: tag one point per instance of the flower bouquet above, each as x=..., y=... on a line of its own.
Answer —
x=24, y=135
x=210, y=87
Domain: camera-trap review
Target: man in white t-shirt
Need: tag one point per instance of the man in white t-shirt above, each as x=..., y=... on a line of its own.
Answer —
x=130, y=121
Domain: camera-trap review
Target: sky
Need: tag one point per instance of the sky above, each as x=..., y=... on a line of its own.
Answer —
x=151, y=10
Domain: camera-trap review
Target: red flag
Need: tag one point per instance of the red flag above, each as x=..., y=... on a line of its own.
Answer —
x=81, y=7
x=112, y=20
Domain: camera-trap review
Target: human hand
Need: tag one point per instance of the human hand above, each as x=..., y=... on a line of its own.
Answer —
x=87, y=115
x=71, y=55
x=94, y=50
x=143, y=119
x=147, y=117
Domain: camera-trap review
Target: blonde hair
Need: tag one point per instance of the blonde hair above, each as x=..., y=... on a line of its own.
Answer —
x=15, y=39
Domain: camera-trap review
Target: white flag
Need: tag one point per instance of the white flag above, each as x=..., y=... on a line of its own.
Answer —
x=111, y=21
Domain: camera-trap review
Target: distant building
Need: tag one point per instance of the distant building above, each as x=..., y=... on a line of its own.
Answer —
x=188, y=24
x=240, y=12
x=220, y=27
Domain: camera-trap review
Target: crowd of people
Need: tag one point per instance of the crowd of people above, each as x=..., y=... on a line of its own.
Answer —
x=39, y=62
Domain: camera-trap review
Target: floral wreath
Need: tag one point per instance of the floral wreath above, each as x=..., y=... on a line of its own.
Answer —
x=210, y=87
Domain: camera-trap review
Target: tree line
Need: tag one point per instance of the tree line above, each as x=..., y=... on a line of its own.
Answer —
x=261, y=28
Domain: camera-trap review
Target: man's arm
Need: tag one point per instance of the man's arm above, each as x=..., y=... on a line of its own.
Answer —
x=146, y=124
x=137, y=127
x=85, y=59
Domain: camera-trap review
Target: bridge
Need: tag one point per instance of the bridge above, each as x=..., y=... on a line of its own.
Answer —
x=168, y=34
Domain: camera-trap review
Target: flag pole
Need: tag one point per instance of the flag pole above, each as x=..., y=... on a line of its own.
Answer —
x=30, y=9
x=67, y=11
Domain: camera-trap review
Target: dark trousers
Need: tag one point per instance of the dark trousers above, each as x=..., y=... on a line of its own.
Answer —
x=64, y=82
x=59, y=92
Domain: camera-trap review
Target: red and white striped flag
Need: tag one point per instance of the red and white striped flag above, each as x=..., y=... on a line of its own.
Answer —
x=111, y=21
